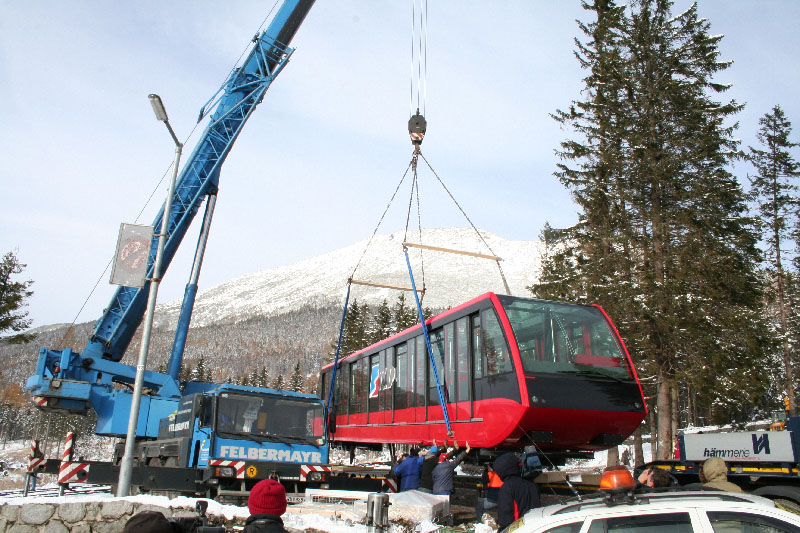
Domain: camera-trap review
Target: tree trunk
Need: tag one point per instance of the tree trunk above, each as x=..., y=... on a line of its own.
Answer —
x=653, y=433
x=613, y=456
x=664, y=418
x=638, y=452
x=674, y=417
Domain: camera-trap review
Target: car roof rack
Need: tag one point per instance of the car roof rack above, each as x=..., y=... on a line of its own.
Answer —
x=633, y=497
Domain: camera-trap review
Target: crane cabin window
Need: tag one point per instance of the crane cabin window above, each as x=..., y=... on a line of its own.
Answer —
x=249, y=416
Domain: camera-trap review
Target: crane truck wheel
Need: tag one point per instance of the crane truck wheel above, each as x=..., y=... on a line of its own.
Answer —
x=786, y=498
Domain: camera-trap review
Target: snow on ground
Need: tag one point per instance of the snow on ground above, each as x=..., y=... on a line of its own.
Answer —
x=14, y=456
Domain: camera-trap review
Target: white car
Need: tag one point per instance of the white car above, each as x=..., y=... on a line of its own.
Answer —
x=657, y=512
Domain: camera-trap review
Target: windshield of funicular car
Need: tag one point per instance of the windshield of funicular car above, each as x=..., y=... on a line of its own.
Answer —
x=270, y=416
x=560, y=337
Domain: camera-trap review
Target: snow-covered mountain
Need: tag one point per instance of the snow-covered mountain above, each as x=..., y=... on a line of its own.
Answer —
x=449, y=279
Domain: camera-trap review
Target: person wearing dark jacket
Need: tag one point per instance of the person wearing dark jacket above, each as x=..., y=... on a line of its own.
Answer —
x=517, y=496
x=408, y=471
x=444, y=473
x=429, y=463
x=267, y=502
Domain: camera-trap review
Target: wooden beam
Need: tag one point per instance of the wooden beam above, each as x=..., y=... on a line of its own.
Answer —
x=451, y=251
x=384, y=286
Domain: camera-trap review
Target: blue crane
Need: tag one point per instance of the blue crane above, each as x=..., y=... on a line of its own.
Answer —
x=201, y=423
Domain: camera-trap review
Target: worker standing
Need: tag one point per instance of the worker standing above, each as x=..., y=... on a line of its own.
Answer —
x=492, y=483
x=444, y=472
x=517, y=495
x=428, y=464
x=409, y=470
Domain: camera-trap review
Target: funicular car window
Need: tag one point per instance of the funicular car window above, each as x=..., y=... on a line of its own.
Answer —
x=648, y=523
x=740, y=522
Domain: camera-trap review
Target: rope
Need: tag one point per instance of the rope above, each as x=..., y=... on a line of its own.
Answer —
x=430, y=348
x=425, y=54
x=415, y=189
x=421, y=260
x=338, y=348
x=419, y=55
x=478, y=233
x=380, y=222
x=411, y=63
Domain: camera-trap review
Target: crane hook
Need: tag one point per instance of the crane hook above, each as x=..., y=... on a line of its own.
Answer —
x=416, y=128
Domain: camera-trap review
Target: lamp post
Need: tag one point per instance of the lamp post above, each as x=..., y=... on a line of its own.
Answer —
x=126, y=466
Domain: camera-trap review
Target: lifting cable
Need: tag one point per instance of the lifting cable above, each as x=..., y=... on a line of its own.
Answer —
x=430, y=349
x=350, y=281
x=415, y=193
x=478, y=233
x=336, y=357
x=417, y=127
x=419, y=55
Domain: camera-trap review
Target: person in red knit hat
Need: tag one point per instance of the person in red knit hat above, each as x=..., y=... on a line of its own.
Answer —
x=267, y=502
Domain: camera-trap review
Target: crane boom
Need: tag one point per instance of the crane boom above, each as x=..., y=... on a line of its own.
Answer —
x=73, y=382
x=239, y=96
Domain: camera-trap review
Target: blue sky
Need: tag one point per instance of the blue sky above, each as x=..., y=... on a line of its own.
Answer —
x=319, y=159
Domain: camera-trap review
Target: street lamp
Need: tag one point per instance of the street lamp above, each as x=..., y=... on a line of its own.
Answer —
x=126, y=466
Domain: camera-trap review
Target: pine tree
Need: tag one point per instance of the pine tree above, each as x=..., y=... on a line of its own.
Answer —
x=263, y=377
x=297, y=379
x=774, y=190
x=404, y=316
x=253, y=378
x=278, y=382
x=199, y=372
x=353, y=330
x=662, y=241
x=597, y=182
x=185, y=373
x=382, y=327
x=13, y=296
x=698, y=291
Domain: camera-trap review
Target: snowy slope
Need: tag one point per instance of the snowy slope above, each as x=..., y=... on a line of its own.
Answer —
x=449, y=278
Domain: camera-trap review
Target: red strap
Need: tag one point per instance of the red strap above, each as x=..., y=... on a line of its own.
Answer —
x=516, y=510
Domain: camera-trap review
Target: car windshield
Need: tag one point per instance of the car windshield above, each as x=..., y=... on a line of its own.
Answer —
x=559, y=337
x=270, y=417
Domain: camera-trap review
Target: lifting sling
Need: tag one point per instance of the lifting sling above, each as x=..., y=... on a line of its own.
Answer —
x=428, y=344
x=336, y=357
